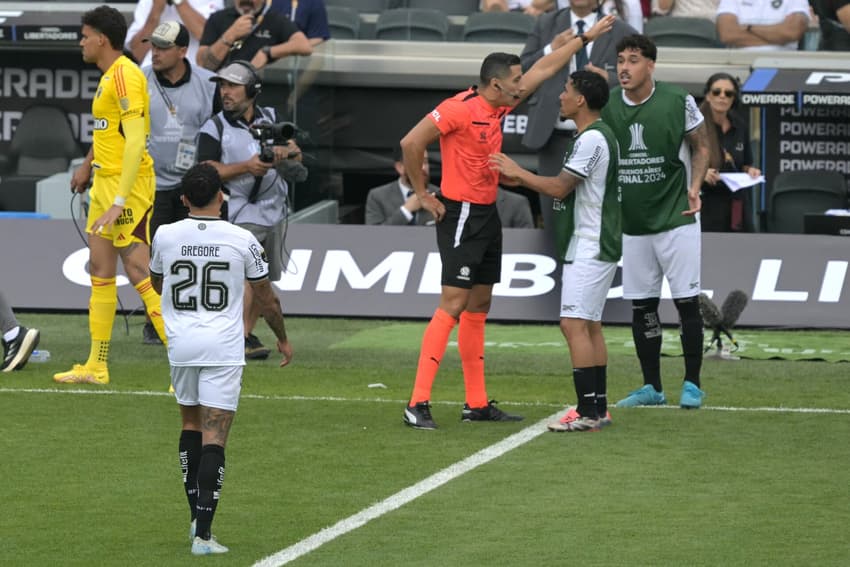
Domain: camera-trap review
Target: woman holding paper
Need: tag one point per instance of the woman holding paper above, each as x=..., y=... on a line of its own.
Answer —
x=729, y=144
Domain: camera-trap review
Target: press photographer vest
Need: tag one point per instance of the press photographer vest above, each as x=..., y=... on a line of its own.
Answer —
x=237, y=144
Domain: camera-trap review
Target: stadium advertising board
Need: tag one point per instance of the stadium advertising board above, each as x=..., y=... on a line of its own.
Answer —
x=805, y=119
x=376, y=271
x=56, y=78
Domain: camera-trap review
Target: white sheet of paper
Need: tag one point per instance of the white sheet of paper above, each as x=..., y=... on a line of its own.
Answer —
x=738, y=181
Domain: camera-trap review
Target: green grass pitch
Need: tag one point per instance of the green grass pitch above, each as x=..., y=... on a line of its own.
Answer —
x=757, y=477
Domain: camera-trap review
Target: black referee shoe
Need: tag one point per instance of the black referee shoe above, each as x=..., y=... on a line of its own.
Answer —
x=419, y=416
x=488, y=413
x=17, y=352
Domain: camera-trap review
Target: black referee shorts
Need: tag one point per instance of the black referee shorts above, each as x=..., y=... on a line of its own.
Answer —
x=469, y=239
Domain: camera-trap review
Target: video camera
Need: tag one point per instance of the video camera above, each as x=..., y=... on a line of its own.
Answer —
x=269, y=135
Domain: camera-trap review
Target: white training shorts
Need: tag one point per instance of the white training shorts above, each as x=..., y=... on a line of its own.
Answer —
x=675, y=253
x=584, y=288
x=211, y=386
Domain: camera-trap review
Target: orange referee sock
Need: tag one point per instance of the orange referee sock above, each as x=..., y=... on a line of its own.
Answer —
x=470, y=345
x=434, y=343
x=152, y=305
x=104, y=299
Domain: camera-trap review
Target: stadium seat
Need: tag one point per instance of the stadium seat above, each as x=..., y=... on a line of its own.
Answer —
x=498, y=27
x=412, y=24
x=344, y=22
x=795, y=193
x=670, y=31
x=360, y=6
x=43, y=143
x=448, y=7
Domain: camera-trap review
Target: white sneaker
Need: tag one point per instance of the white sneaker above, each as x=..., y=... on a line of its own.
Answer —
x=207, y=546
x=572, y=421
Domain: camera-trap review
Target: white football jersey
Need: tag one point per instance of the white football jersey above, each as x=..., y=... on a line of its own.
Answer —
x=589, y=162
x=764, y=13
x=204, y=263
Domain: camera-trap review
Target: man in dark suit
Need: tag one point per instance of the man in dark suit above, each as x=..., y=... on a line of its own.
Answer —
x=514, y=210
x=545, y=132
x=395, y=203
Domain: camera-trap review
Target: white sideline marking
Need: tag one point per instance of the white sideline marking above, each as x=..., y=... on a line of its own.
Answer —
x=406, y=495
x=163, y=393
x=409, y=494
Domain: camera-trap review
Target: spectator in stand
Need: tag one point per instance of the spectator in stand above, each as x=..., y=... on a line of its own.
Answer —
x=250, y=31
x=834, y=20
x=706, y=9
x=530, y=7
x=310, y=16
x=547, y=133
x=396, y=203
x=150, y=13
x=762, y=25
x=630, y=11
x=514, y=209
x=729, y=151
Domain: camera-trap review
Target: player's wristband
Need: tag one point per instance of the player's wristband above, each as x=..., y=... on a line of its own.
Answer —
x=119, y=201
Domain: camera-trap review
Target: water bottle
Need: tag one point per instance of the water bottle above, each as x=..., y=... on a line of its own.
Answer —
x=40, y=356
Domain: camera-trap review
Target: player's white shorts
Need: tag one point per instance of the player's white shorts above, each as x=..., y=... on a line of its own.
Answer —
x=211, y=386
x=675, y=253
x=584, y=288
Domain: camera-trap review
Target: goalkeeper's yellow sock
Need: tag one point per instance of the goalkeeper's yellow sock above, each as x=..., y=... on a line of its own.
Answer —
x=104, y=298
x=152, y=305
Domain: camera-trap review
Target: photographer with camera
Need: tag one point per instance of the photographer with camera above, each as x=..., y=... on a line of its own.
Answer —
x=254, y=156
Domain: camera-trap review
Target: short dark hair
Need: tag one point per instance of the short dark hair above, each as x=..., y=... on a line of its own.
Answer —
x=201, y=184
x=640, y=43
x=398, y=154
x=592, y=87
x=108, y=21
x=497, y=65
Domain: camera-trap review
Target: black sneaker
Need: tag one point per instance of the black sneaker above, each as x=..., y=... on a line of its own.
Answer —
x=17, y=352
x=488, y=413
x=149, y=335
x=254, y=349
x=419, y=416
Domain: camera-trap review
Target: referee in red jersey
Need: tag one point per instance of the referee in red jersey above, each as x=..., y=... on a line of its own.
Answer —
x=469, y=232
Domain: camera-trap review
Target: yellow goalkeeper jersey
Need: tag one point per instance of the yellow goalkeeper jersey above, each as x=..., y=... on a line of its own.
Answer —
x=122, y=94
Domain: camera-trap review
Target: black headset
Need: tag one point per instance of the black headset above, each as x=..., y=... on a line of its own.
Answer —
x=254, y=89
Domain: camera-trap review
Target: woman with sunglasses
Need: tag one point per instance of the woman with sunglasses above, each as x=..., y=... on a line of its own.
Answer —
x=729, y=146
